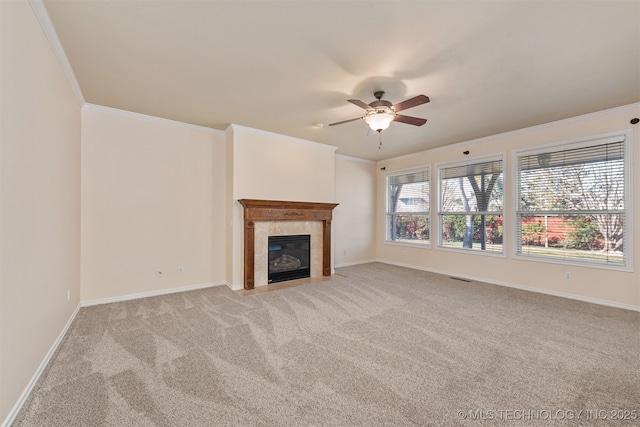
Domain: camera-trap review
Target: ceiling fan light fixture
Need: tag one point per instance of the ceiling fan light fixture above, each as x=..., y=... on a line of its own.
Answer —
x=379, y=120
x=380, y=113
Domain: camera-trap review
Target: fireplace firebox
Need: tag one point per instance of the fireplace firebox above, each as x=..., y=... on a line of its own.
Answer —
x=289, y=257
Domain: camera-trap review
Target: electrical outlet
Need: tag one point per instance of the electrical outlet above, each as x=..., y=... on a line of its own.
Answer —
x=180, y=270
x=68, y=295
x=567, y=275
x=158, y=273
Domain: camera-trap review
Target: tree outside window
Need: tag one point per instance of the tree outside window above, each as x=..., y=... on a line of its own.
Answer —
x=408, y=207
x=471, y=205
x=571, y=202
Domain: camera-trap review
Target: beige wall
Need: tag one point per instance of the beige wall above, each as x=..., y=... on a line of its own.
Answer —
x=277, y=167
x=354, y=217
x=269, y=166
x=153, y=198
x=592, y=284
x=39, y=200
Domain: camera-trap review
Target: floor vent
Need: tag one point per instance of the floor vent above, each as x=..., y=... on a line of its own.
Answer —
x=460, y=279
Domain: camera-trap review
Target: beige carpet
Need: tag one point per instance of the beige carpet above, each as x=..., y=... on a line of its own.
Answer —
x=376, y=345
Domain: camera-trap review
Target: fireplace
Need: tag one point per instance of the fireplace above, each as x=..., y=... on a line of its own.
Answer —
x=289, y=257
x=276, y=212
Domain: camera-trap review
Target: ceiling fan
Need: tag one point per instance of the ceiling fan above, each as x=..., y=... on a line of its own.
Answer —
x=380, y=113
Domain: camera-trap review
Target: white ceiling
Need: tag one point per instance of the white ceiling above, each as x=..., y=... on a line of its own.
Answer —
x=281, y=66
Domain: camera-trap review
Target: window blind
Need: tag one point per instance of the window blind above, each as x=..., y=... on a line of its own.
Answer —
x=571, y=202
x=472, y=187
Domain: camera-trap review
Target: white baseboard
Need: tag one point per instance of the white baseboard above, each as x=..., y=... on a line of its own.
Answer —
x=150, y=294
x=27, y=391
x=236, y=287
x=348, y=264
x=521, y=287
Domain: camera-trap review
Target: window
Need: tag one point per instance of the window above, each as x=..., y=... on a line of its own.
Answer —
x=470, y=210
x=572, y=202
x=408, y=206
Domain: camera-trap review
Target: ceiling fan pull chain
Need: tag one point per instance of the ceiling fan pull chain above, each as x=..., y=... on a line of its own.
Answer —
x=380, y=140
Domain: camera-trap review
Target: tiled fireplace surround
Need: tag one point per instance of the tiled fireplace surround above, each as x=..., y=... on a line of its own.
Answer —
x=264, y=218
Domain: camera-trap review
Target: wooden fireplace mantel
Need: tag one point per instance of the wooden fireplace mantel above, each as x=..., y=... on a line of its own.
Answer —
x=278, y=210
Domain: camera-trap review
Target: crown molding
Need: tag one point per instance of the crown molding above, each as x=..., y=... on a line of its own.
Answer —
x=239, y=128
x=148, y=118
x=356, y=159
x=40, y=11
x=593, y=115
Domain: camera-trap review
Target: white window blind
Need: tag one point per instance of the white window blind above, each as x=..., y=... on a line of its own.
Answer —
x=408, y=206
x=572, y=202
x=470, y=210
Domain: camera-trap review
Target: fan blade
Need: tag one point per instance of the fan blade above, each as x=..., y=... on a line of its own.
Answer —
x=416, y=121
x=345, y=121
x=413, y=102
x=359, y=103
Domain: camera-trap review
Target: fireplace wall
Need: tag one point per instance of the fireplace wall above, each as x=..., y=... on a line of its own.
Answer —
x=267, y=166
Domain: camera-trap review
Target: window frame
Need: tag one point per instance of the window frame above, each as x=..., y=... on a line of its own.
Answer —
x=426, y=169
x=628, y=199
x=439, y=212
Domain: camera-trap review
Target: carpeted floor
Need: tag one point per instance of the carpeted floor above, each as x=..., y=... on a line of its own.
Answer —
x=376, y=345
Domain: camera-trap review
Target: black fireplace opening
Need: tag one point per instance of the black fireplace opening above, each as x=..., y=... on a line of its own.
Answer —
x=289, y=257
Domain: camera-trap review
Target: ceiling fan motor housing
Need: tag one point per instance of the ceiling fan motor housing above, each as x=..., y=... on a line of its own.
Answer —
x=379, y=102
